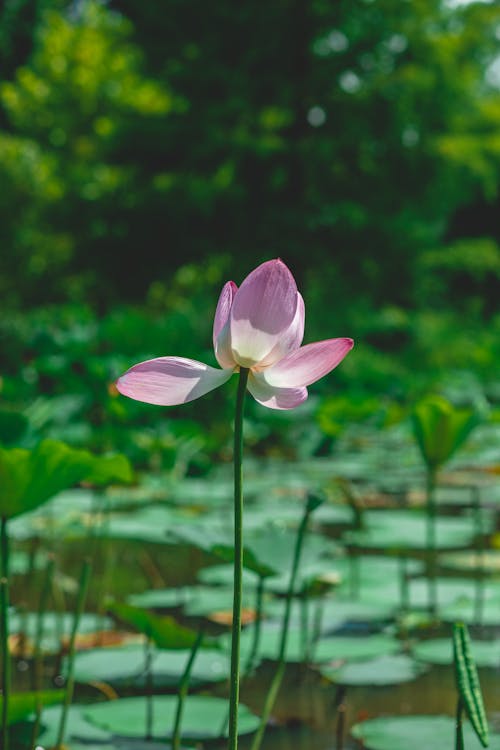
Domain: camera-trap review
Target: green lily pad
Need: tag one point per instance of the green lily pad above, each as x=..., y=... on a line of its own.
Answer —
x=354, y=648
x=406, y=529
x=77, y=727
x=440, y=651
x=127, y=665
x=466, y=611
x=162, y=598
x=204, y=717
x=487, y=561
x=222, y=575
x=383, y=670
x=415, y=733
x=55, y=625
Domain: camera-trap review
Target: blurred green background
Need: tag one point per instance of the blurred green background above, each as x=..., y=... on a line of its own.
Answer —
x=149, y=151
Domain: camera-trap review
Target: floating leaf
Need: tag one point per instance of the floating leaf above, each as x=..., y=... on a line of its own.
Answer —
x=203, y=718
x=440, y=651
x=126, y=665
x=350, y=648
x=383, y=670
x=77, y=728
x=415, y=733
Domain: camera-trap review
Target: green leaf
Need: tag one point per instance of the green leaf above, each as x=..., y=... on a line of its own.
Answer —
x=164, y=631
x=468, y=682
x=21, y=705
x=382, y=670
x=204, y=717
x=111, y=469
x=28, y=478
x=13, y=425
x=414, y=733
x=440, y=428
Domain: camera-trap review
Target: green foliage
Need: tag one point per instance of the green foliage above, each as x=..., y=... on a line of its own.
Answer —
x=22, y=705
x=440, y=429
x=467, y=680
x=164, y=631
x=28, y=478
x=360, y=127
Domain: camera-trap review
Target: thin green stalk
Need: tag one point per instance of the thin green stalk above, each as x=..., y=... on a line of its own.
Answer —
x=431, y=541
x=479, y=582
x=37, y=655
x=42, y=606
x=459, y=729
x=259, y=596
x=82, y=593
x=234, y=691
x=4, y=615
x=280, y=671
x=304, y=623
x=149, y=687
x=403, y=582
x=183, y=689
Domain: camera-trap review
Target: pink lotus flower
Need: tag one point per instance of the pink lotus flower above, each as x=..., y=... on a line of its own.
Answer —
x=259, y=326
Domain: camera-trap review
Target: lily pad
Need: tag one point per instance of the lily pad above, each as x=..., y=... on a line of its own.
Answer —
x=204, y=717
x=127, y=665
x=162, y=598
x=415, y=733
x=354, y=648
x=383, y=670
x=406, y=529
x=77, y=727
x=440, y=651
x=55, y=626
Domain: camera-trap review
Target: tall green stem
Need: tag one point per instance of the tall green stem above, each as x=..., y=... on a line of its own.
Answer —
x=280, y=671
x=82, y=593
x=459, y=731
x=183, y=689
x=431, y=540
x=256, y=627
x=4, y=614
x=238, y=561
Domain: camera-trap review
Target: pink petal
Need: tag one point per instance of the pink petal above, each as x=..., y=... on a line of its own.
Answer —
x=168, y=381
x=263, y=309
x=291, y=339
x=308, y=364
x=274, y=398
x=222, y=348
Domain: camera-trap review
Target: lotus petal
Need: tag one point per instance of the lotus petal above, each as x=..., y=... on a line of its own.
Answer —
x=168, y=381
x=309, y=363
x=221, y=329
x=274, y=398
x=264, y=308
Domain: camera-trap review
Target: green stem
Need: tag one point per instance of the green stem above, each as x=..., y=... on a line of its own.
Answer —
x=403, y=582
x=431, y=540
x=256, y=627
x=459, y=731
x=4, y=614
x=42, y=606
x=280, y=671
x=183, y=689
x=238, y=561
x=149, y=687
x=82, y=593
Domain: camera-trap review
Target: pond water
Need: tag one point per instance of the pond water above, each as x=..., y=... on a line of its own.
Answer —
x=361, y=614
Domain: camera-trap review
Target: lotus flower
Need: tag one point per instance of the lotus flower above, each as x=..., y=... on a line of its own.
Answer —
x=259, y=326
